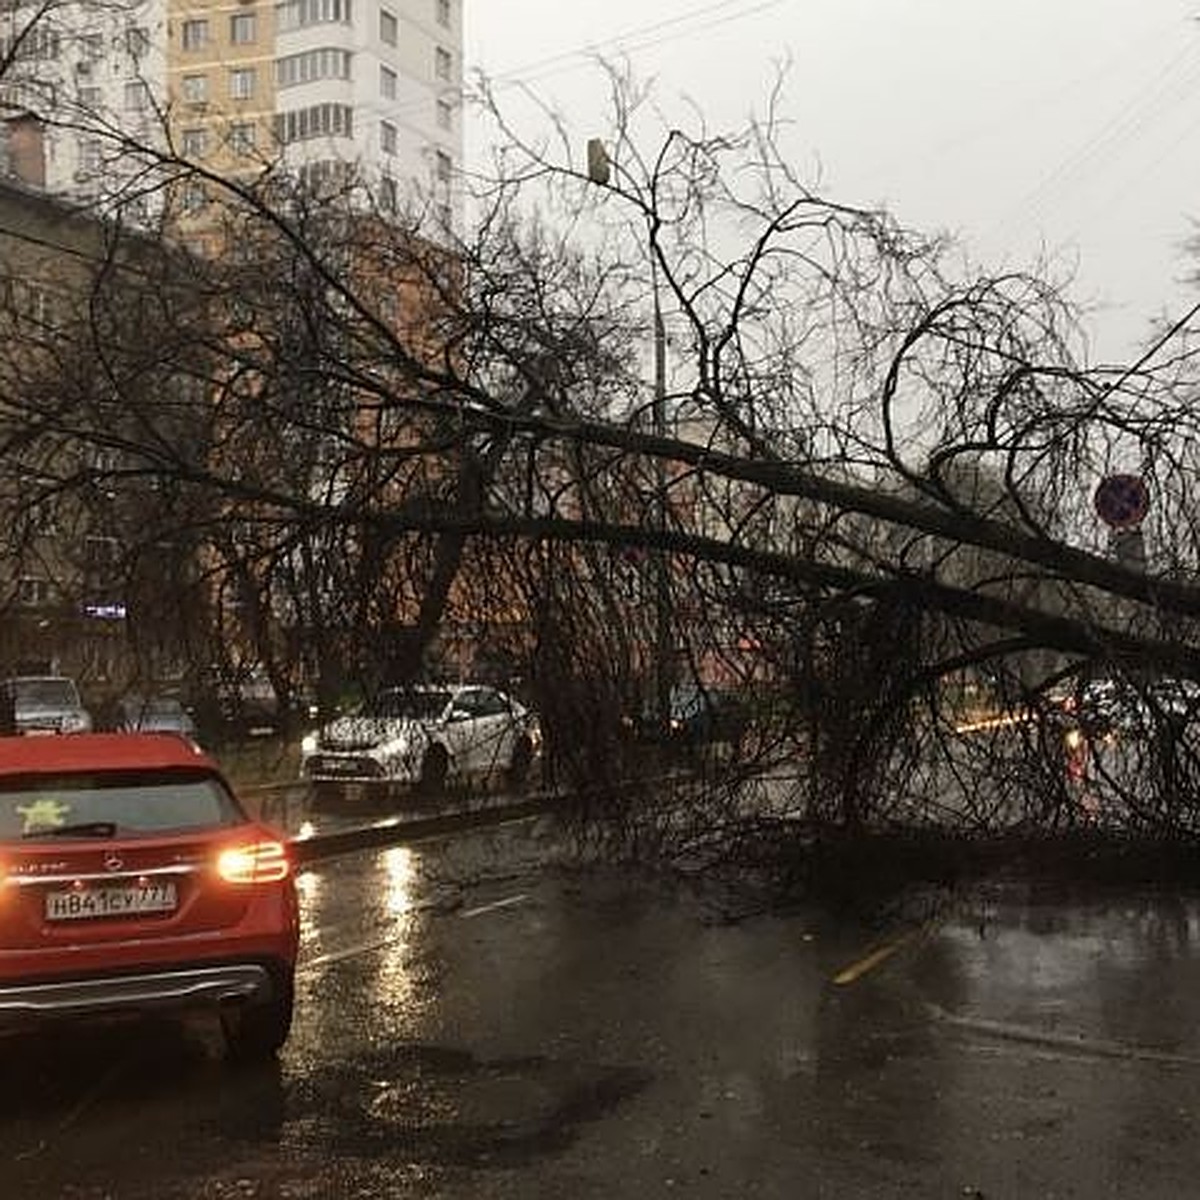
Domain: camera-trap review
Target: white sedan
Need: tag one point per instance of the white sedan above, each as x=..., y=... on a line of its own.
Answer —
x=426, y=735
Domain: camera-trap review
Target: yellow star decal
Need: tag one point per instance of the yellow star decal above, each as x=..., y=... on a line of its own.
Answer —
x=43, y=814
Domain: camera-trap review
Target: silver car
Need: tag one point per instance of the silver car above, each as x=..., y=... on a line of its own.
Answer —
x=44, y=704
x=155, y=714
x=427, y=736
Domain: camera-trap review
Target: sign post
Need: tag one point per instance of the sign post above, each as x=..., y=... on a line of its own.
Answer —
x=1122, y=502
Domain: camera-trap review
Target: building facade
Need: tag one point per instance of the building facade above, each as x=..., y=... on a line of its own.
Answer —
x=242, y=87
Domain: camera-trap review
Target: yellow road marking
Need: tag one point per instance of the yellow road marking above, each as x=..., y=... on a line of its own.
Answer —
x=869, y=962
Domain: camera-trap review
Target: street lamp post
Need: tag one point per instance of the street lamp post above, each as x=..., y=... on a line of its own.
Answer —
x=662, y=592
x=600, y=172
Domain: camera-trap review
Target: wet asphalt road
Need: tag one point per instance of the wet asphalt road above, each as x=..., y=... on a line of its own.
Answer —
x=476, y=1020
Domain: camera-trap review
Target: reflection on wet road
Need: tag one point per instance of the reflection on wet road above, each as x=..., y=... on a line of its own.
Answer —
x=474, y=1024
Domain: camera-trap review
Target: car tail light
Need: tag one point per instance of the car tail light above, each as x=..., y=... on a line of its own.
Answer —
x=256, y=862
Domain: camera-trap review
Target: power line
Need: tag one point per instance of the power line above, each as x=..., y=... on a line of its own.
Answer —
x=972, y=133
x=655, y=34
x=637, y=40
x=1172, y=84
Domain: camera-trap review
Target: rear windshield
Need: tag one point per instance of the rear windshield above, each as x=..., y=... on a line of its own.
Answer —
x=141, y=803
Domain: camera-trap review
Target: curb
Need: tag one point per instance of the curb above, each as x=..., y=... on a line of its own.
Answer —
x=396, y=831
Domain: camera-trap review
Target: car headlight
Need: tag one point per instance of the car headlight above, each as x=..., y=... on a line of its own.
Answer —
x=308, y=744
x=394, y=747
x=76, y=723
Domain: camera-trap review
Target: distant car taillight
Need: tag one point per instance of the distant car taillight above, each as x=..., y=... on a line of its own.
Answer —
x=257, y=862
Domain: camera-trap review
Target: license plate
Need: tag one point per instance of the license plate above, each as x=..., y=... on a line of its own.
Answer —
x=82, y=903
x=339, y=766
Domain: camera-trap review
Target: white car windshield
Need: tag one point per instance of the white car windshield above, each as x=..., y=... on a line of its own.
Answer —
x=408, y=705
x=46, y=693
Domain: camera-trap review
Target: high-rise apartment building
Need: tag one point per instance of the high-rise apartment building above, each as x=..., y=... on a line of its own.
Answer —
x=321, y=87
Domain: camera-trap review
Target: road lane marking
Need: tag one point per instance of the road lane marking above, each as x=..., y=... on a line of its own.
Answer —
x=336, y=956
x=393, y=939
x=507, y=902
x=856, y=970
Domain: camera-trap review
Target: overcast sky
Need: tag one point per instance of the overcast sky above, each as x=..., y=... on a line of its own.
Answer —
x=1068, y=125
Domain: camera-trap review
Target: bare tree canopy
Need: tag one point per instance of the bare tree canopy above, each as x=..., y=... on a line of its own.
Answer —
x=665, y=414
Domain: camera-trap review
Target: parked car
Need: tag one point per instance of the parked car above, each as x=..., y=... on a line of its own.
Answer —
x=155, y=714
x=246, y=705
x=426, y=735
x=698, y=718
x=702, y=716
x=131, y=880
x=1106, y=706
x=43, y=704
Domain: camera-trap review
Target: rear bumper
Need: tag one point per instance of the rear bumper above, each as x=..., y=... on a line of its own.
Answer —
x=185, y=988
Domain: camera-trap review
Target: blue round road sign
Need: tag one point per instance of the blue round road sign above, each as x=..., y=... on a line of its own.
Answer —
x=1122, y=501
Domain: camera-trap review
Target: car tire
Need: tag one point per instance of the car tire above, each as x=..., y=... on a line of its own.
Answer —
x=435, y=766
x=520, y=762
x=257, y=1031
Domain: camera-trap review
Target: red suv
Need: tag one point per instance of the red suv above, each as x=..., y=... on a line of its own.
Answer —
x=131, y=879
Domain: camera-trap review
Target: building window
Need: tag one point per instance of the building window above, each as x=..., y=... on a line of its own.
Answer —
x=33, y=593
x=91, y=154
x=101, y=553
x=312, y=65
x=136, y=209
x=194, y=34
x=39, y=43
x=325, y=176
x=192, y=196
x=445, y=219
x=445, y=114
x=242, y=137
x=442, y=63
x=389, y=29
x=30, y=303
x=197, y=245
x=443, y=13
x=89, y=97
x=93, y=46
x=241, y=83
x=43, y=519
x=299, y=14
x=387, y=83
x=387, y=194
x=321, y=120
x=242, y=29
x=137, y=96
x=194, y=143
x=387, y=137
x=194, y=88
x=444, y=166
x=137, y=41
